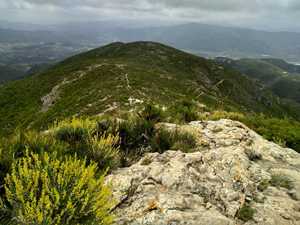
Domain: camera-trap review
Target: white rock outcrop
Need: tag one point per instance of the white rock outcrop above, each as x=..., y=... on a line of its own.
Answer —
x=210, y=185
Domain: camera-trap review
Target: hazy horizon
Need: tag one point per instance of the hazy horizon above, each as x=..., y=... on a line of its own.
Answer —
x=269, y=15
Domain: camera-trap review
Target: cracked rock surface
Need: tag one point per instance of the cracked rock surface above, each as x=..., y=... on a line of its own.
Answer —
x=210, y=185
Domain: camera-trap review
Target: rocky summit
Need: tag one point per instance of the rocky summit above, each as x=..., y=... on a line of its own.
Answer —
x=234, y=176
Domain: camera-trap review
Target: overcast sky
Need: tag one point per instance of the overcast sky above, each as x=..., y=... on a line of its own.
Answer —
x=260, y=14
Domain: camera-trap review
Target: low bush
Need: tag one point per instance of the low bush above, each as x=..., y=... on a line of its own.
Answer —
x=86, y=141
x=103, y=151
x=245, y=213
x=173, y=139
x=56, y=192
x=151, y=112
x=76, y=132
x=184, y=110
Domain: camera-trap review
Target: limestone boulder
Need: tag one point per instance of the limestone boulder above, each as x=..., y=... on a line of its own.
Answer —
x=231, y=167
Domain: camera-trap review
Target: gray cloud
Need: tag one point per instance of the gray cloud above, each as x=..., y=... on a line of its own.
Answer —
x=233, y=11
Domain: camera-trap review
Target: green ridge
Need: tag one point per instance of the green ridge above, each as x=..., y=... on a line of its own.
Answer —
x=104, y=80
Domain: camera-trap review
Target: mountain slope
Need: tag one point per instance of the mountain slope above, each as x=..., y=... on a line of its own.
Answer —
x=283, y=65
x=118, y=76
x=283, y=83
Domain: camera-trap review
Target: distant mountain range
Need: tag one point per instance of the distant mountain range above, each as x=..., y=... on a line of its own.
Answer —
x=201, y=39
x=122, y=76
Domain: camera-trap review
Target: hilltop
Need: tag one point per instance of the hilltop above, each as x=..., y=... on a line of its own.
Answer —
x=121, y=76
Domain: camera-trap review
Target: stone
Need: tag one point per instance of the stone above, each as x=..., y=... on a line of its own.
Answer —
x=210, y=185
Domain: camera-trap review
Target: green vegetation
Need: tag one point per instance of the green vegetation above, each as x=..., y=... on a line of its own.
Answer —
x=245, y=213
x=83, y=140
x=57, y=176
x=279, y=77
x=205, y=193
x=50, y=191
x=184, y=110
x=182, y=209
x=173, y=140
x=19, y=71
x=130, y=191
x=102, y=109
x=276, y=181
x=120, y=76
x=146, y=161
x=258, y=200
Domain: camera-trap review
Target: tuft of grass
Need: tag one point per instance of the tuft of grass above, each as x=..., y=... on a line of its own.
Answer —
x=176, y=140
x=85, y=142
x=278, y=181
x=184, y=110
x=182, y=209
x=151, y=112
x=130, y=191
x=258, y=200
x=263, y=185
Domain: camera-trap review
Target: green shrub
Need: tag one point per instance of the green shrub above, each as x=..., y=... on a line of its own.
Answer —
x=75, y=132
x=263, y=185
x=245, y=213
x=56, y=192
x=86, y=141
x=184, y=110
x=175, y=140
x=134, y=132
x=151, y=112
x=103, y=150
x=278, y=181
x=162, y=141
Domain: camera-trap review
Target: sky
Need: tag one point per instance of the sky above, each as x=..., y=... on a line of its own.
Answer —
x=272, y=15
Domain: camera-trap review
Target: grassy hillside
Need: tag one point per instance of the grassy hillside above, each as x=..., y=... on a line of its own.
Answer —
x=283, y=65
x=271, y=73
x=118, y=76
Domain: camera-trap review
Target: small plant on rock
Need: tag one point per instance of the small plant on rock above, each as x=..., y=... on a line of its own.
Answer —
x=146, y=161
x=278, y=181
x=245, y=213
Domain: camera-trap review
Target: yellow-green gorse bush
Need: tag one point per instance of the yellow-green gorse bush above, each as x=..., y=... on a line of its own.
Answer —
x=103, y=150
x=50, y=191
x=84, y=140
